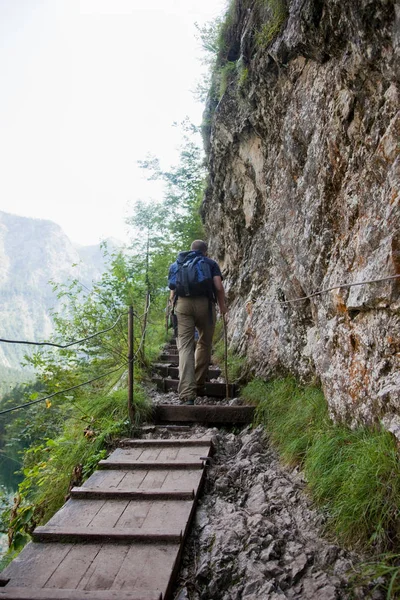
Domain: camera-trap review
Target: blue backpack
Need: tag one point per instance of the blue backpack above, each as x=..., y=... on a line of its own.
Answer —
x=190, y=275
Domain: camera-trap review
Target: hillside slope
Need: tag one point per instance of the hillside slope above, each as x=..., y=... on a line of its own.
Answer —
x=33, y=252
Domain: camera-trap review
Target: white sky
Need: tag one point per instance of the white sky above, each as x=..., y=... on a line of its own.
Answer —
x=88, y=87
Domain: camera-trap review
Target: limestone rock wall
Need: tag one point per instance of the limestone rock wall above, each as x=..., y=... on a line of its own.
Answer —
x=303, y=151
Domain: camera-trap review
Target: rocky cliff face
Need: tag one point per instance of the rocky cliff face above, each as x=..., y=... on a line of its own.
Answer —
x=33, y=252
x=304, y=162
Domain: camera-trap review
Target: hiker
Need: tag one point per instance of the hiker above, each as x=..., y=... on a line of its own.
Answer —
x=196, y=285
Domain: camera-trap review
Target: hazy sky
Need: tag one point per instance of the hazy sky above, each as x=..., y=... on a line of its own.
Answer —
x=88, y=87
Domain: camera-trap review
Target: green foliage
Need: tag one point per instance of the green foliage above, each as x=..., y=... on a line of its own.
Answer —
x=227, y=75
x=9, y=378
x=354, y=475
x=277, y=14
x=243, y=74
x=176, y=220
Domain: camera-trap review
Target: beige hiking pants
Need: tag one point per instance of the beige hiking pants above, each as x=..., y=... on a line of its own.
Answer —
x=194, y=312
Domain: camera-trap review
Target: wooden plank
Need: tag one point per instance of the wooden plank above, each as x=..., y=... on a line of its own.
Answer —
x=167, y=442
x=154, y=455
x=216, y=390
x=74, y=566
x=30, y=593
x=108, y=516
x=105, y=479
x=151, y=563
x=177, y=479
x=152, y=479
x=169, y=453
x=169, y=514
x=105, y=567
x=172, y=359
x=188, y=464
x=166, y=370
x=71, y=534
x=79, y=512
x=35, y=564
x=203, y=414
x=133, y=453
x=157, y=494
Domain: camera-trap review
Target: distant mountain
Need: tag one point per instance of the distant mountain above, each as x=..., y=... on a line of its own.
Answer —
x=32, y=252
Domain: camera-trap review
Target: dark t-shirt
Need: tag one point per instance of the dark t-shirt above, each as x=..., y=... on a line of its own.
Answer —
x=215, y=270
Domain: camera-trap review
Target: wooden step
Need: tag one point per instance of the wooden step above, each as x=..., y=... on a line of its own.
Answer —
x=123, y=529
x=29, y=593
x=188, y=442
x=143, y=570
x=142, y=480
x=210, y=414
x=159, y=465
x=172, y=359
x=103, y=535
x=166, y=370
x=215, y=390
x=88, y=493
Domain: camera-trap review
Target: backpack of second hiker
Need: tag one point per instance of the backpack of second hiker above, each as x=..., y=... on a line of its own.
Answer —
x=190, y=275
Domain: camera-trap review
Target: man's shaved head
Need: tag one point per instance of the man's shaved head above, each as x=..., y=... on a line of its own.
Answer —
x=200, y=246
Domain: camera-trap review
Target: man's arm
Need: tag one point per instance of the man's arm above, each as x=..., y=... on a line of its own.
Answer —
x=220, y=291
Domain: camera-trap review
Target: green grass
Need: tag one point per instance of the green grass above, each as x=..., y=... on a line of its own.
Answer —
x=227, y=75
x=270, y=29
x=293, y=415
x=353, y=475
x=386, y=567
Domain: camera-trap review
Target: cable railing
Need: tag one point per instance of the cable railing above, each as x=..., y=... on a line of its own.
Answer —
x=89, y=337
x=337, y=286
x=128, y=363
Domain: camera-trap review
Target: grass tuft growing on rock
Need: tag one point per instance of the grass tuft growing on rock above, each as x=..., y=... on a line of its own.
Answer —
x=354, y=475
x=278, y=13
x=293, y=415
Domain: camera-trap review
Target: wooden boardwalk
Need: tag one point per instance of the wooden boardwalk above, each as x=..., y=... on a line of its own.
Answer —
x=121, y=534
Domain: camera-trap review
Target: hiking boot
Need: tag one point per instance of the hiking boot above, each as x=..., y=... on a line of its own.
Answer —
x=189, y=402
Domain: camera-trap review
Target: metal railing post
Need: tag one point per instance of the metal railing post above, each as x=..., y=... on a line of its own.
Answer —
x=131, y=410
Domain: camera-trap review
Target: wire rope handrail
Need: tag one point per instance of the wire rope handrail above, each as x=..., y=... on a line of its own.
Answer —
x=74, y=387
x=330, y=289
x=89, y=337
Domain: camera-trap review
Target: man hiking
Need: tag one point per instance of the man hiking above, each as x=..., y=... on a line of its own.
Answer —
x=196, y=284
